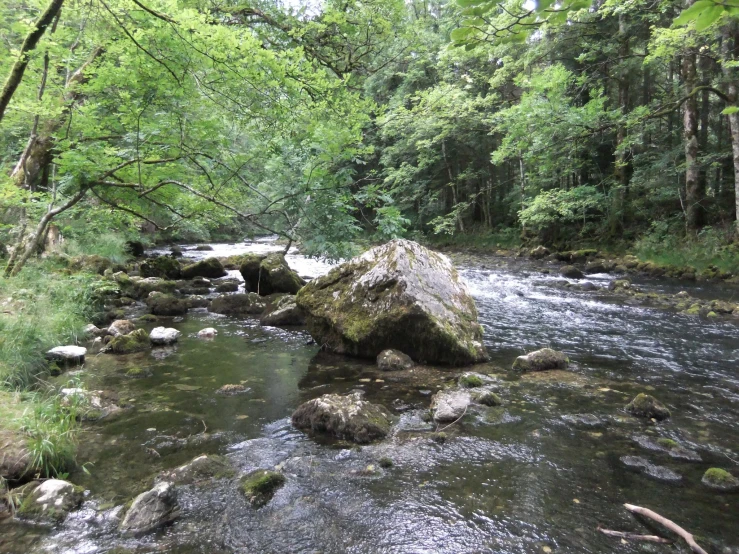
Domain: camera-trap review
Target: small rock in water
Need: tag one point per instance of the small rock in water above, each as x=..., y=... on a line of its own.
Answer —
x=448, y=406
x=207, y=333
x=646, y=405
x=151, y=509
x=202, y=468
x=720, y=479
x=260, y=486
x=586, y=420
x=571, y=272
x=67, y=354
x=671, y=447
x=657, y=472
x=486, y=398
x=345, y=417
x=541, y=360
x=393, y=360
x=162, y=336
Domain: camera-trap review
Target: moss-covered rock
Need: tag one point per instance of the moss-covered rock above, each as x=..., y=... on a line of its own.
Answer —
x=260, y=486
x=344, y=417
x=284, y=312
x=539, y=252
x=147, y=318
x=470, y=381
x=541, y=360
x=571, y=272
x=238, y=304
x=167, y=305
x=269, y=275
x=92, y=264
x=486, y=398
x=50, y=501
x=141, y=288
x=164, y=267
x=399, y=295
x=137, y=341
x=646, y=405
x=138, y=373
x=720, y=479
x=209, y=267
x=227, y=285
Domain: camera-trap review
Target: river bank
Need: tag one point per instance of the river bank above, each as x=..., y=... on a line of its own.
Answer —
x=539, y=472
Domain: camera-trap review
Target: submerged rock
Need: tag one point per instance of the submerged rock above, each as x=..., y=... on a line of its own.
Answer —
x=126, y=344
x=121, y=327
x=91, y=404
x=541, y=360
x=260, y=486
x=399, y=295
x=69, y=355
x=230, y=285
x=202, y=468
x=393, y=360
x=230, y=390
x=720, y=479
x=471, y=380
x=646, y=405
x=269, y=274
x=656, y=472
x=284, y=312
x=51, y=501
x=486, y=397
x=669, y=446
x=344, y=417
x=162, y=336
x=448, y=406
x=238, y=304
x=151, y=509
x=210, y=267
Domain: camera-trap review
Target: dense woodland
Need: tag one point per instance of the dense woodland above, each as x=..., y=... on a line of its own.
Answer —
x=609, y=122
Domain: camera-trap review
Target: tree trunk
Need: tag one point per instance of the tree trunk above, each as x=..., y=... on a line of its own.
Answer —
x=730, y=51
x=29, y=44
x=694, y=194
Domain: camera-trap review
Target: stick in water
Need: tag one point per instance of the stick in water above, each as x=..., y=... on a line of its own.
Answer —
x=634, y=536
x=671, y=525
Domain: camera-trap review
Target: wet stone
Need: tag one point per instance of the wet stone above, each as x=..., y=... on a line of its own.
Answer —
x=583, y=420
x=151, y=510
x=646, y=405
x=669, y=446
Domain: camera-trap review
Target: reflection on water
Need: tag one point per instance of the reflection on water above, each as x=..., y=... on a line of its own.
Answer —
x=541, y=472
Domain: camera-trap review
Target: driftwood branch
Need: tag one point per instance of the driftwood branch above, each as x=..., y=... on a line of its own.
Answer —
x=634, y=536
x=671, y=525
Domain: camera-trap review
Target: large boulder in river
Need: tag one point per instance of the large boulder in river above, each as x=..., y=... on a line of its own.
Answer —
x=167, y=304
x=399, y=295
x=269, y=274
x=211, y=268
x=344, y=417
x=238, y=304
x=51, y=501
x=151, y=509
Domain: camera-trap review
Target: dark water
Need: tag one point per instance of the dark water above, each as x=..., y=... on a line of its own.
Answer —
x=538, y=474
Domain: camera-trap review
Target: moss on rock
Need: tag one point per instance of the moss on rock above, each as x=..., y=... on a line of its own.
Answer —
x=541, y=360
x=167, y=305
x=137, y=341
x=646, y=405
x=720, y=479
x=260, y=486
x=269, y=274
x=164, y=267
x=210, y=267
x=470, y=381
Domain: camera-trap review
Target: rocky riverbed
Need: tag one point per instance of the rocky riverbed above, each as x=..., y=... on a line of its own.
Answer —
x=536, y=468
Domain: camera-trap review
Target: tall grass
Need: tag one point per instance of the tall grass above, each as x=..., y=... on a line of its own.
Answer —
x=107, y=245
x=41, y=308
x=665, y=245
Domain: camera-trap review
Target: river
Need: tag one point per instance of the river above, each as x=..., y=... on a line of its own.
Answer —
x=538, y=474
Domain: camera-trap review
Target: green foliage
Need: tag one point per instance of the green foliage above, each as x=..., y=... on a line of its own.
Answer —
x=664, y=245
x=563, y=207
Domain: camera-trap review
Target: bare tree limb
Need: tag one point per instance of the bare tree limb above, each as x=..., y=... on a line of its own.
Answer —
x=671, y=525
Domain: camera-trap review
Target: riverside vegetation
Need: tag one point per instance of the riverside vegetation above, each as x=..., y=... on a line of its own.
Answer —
x=594, y=140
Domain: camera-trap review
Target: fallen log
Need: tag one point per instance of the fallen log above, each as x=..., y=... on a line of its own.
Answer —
x=671, y=525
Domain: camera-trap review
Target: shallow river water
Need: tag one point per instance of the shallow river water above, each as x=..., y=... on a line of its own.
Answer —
x=538, y=474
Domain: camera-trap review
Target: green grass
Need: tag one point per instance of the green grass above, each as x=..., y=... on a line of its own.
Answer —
x=107, y=245
x=489, y=240
x=41, y=308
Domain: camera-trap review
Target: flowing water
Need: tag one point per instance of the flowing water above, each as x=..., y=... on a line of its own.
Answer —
x=538, y=474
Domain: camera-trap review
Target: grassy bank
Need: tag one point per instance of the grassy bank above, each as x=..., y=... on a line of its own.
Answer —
x=44, y=306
